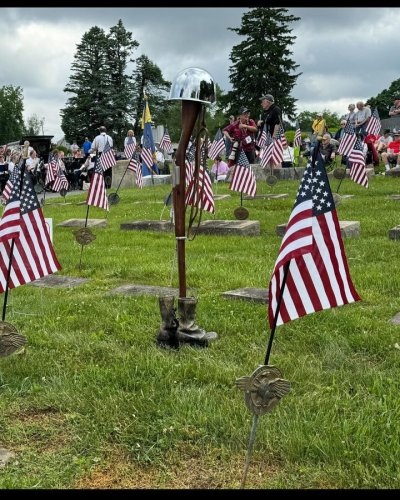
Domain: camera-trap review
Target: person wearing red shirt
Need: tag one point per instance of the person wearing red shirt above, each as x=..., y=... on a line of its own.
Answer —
x=242, y=134
x=392, y=154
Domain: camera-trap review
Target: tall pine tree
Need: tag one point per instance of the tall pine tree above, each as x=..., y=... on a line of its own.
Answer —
x=11, y=109
x=261, y=63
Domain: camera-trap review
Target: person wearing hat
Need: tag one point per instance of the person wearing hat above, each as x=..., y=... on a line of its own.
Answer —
x=392, y=154
x=271, y=116
x=395, y=109
x=242, y=135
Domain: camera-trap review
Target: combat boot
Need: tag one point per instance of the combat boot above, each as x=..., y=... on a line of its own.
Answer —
x=166, y=336
x=188, y=331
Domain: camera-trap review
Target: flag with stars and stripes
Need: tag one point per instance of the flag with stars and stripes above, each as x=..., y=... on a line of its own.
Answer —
x=260, y=142
x=358, y=170
x=311, y=254
x=266, y=152
x=374, y=123
x=134, y=166
x=10, y=221
x=277, y=147
x=243, y=178
x=97, y=195
x=189, y=162
x=218, y=146
x=51, y=170
x=297, y=136
x=33, y=253
x=130, y=148
x=60, y=181
x=165, y=143
x=200, y=194
x=15, y=174
x=107, y=158
x=348, y=139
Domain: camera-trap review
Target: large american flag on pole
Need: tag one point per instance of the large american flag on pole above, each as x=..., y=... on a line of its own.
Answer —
x=33, y=254
x=165, y=143
x=217, y=146
x=312, y=253
x=297, y=136
x=134, y=166
x=374, y=123
x=243, y=178
x=348, y=139
x=97, y=195
x=200, y=194
x=358, y=170
x=107, y=158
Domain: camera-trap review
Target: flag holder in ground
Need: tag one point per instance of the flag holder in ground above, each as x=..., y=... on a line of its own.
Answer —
x=113, y=198
x=265, y=387
x=176, y=331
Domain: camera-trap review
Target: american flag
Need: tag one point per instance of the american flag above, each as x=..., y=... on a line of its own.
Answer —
x=266, y=152
x=10, y=222
x=282, y=135
x=348, y=139
x=262, y=138
x=217, y=146
x=61, y=181
x=165, y=143
x=51, y=170
x=97, y=196
x=130, y=148
x=189, y=162
x=277, y=147
x=200, y=194
x=135, y=166
x=358, y=171
x=107, y=158
x=312, y=253
x=33, y=254
x=243, y=178
x=374, y=123
x=297, y=136
x=15, y=174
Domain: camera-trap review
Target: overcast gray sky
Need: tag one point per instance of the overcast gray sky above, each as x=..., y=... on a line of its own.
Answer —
x=345, y=54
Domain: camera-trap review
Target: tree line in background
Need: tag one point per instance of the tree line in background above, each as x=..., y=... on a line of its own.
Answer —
x=104, y=93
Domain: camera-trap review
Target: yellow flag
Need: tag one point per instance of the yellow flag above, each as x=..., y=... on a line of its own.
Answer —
x=146, y=117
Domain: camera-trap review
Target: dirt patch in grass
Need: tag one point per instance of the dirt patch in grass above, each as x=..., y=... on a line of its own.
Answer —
x=179, y=471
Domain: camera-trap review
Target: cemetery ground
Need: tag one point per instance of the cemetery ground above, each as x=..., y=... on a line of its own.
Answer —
x=93, y=402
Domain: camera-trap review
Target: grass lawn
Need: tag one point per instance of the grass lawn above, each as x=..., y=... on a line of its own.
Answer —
x=94, y=403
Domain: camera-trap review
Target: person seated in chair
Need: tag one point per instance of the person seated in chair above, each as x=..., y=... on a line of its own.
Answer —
x=327, y=149
x=392, y=155
x=288, y=155
x=219, y=169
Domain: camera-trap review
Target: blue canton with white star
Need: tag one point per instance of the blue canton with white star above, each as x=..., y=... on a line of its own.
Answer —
x=315, y=186
x=29, y=199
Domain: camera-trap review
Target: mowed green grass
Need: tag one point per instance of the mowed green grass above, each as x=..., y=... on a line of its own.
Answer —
x=94, y=403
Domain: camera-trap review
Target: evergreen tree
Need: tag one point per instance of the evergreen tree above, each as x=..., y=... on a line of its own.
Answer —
x=120, y=49
x=11, y=109
x=148, y=79
x=384, y=100
x=262, y=63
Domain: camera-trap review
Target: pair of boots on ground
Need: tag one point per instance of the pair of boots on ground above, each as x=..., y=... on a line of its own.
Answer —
x=175, y=331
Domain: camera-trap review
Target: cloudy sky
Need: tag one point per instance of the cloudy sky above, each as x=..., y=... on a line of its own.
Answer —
x=345, y=54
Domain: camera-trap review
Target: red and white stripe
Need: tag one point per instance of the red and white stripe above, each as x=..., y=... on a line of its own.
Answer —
x=97, y=196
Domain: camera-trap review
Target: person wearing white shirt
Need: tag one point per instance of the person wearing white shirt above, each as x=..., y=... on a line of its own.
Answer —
x=288, y=156
x=100, y=141
x=130, y=136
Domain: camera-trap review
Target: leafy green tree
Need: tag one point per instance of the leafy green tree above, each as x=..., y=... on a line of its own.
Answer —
x=11, y=118
x=148, y=79
x=34, y=125
x=384, y=100
x=261, y=63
